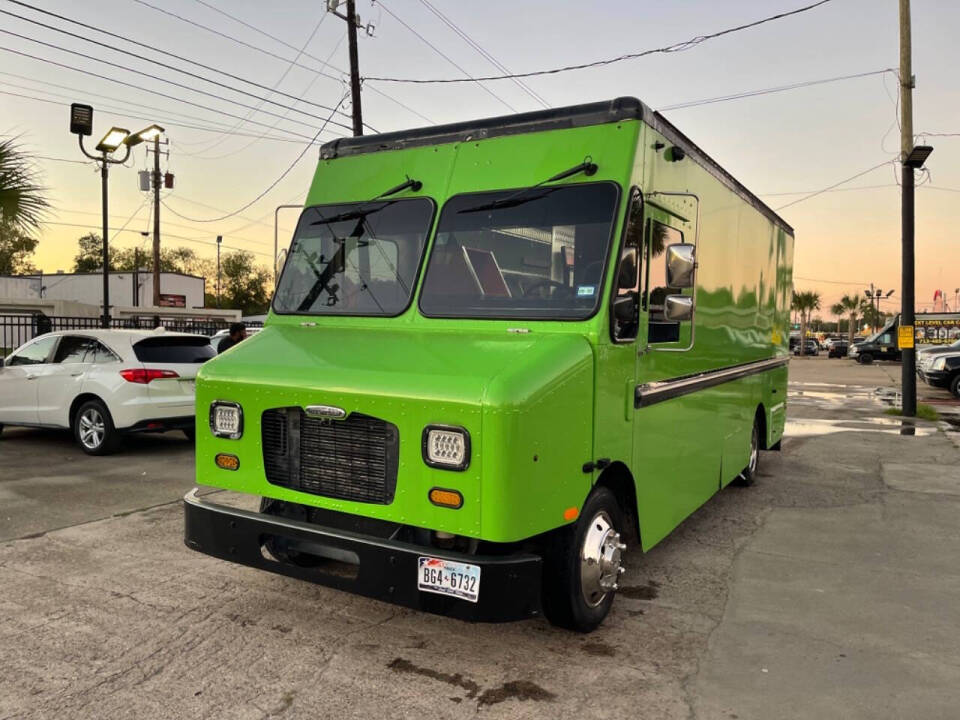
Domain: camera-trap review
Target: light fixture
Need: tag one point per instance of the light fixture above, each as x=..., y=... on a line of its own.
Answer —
x=112, y=140
x=891, y=292
x=145, y=135
x=81, y=119
x=918, y=156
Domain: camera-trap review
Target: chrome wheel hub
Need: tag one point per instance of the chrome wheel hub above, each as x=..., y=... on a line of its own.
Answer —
x=92, y=429
x=754, y=451
x=600, y=560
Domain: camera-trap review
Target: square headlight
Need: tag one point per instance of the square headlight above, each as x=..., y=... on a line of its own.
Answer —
x=226, y=419
x=446, y=447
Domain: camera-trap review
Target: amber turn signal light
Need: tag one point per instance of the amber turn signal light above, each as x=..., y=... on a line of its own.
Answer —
x=227, y=462
x=446, y=498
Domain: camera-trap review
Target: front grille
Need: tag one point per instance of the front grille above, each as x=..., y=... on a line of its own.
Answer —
x=351, y=459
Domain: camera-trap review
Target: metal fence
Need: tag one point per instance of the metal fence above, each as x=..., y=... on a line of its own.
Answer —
x=15, y=330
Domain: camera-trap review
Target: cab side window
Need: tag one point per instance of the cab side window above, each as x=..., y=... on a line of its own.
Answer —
x=34, y=354
x=658, y=237
x=625, y=313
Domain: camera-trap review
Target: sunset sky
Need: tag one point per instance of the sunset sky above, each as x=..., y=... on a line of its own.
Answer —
x=781, y=145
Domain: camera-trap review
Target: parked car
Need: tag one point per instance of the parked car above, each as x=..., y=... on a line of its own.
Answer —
x=943, y=371
x=810, y=347
x=102, y=384
x=838, y=349
x=926, y=356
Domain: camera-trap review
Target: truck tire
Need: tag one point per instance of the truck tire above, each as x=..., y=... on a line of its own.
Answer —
x=93, y=429
x=954, y=386
x=582, y=566
x=865, y=358
x=748, y=476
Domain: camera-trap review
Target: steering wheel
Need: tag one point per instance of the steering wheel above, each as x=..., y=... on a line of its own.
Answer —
x=548, y=283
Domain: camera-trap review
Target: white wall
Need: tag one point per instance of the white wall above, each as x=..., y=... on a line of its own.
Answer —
x=88, y=288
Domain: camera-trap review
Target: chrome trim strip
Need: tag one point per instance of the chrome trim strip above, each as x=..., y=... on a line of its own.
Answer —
x=777, y=407
x=652, y=393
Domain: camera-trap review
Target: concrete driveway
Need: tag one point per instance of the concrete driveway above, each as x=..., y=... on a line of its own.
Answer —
x=829, y=589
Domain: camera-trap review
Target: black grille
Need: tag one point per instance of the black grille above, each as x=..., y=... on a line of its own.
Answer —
x=351, y=459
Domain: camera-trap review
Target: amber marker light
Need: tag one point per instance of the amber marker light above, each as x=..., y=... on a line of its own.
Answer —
x=570, y=514
x=227, y=462
x=446, y=498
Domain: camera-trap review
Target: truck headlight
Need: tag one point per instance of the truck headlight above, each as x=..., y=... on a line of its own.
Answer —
x=446, y=447
x=226, y=419
x=938, y=364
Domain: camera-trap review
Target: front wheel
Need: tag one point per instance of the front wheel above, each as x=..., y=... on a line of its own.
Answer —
x=864, y=358
x=954, y=386
x=583, y=565
x=93, y=429
x=748, y=476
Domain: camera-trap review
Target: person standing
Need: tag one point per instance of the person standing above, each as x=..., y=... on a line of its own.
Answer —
x=238, y=331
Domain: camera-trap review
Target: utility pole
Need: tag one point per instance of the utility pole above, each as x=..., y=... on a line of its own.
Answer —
x=352, y=22
x=219, y=240
x=156, y=221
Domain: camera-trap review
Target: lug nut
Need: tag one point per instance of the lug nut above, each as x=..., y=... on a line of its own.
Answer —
x=621, y=570
x=621, y=547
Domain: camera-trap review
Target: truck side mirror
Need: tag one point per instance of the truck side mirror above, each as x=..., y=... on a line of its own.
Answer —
x=678, y=308
x=625, y=308
x=681, y=262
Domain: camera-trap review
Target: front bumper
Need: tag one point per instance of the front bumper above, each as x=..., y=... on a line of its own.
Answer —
x=386, y=569
x=936, y=378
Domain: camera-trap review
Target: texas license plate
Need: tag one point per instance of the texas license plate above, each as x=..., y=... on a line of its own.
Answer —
x=446, y=577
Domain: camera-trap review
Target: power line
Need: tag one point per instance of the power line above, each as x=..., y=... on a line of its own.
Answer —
x=126, y=111
x=272, y=185
x=810, y=192
x=771, y=90
x=476, y=46
x=65, y=160
x=676, y=47
x=831, y=187
x=269, y=53
x=154, y=92
x=469, y=78
x=178, y=237
x=159, y=63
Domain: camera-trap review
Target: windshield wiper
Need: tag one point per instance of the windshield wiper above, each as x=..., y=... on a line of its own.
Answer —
x=519, y=197
x=361, y=212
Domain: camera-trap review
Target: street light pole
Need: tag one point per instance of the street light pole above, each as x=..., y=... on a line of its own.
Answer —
x=219, y=240
x=105, y=321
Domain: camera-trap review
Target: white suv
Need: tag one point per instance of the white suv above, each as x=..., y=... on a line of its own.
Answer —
x=103, y=383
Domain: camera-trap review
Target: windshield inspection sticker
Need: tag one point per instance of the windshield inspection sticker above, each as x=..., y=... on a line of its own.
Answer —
x=586, y=290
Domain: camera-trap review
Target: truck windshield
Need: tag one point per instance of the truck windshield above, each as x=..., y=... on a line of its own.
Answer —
x=355, y=259
x=539, y=255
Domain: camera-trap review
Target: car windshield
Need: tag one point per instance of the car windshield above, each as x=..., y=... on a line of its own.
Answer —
x=531, y=254
x=355, y=259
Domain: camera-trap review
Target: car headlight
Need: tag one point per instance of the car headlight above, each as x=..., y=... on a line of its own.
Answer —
x=226, y=419
x=938, y=364
x=446, y=447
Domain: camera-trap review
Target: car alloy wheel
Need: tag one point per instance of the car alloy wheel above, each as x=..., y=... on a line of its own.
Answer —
x=92, y=428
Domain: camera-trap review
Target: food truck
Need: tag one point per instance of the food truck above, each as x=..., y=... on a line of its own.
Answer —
x=501, y=354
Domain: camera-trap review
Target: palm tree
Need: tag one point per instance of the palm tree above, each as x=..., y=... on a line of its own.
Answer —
x=852, y=306
x=805, y=302
x=23, y=200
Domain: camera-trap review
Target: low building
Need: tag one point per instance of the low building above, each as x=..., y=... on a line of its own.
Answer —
x=131, y=289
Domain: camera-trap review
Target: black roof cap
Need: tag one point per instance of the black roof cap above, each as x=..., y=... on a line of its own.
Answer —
x=609, y=111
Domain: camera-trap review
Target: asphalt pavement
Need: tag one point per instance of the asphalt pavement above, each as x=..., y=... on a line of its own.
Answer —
x=826, y=590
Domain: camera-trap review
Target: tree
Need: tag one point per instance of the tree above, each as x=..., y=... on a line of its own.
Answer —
x=90, y=255
x=22, y=199
x=805, y=302
x=16, y=250
x=243, y=283
x=851, y=306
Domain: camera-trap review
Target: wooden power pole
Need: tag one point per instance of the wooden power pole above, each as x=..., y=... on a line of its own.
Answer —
x=908, y=378
x=352, y=22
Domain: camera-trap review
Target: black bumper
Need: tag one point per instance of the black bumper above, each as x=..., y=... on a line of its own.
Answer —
x=937, y=378
x=385, y=569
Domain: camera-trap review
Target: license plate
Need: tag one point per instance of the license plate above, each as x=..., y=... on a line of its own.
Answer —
x=445, y=577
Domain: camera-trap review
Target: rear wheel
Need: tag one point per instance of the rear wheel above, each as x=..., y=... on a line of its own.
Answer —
x=583, y=565
x=954, y=386
x=748, y=475
x=864, y=358
x=93, y=429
